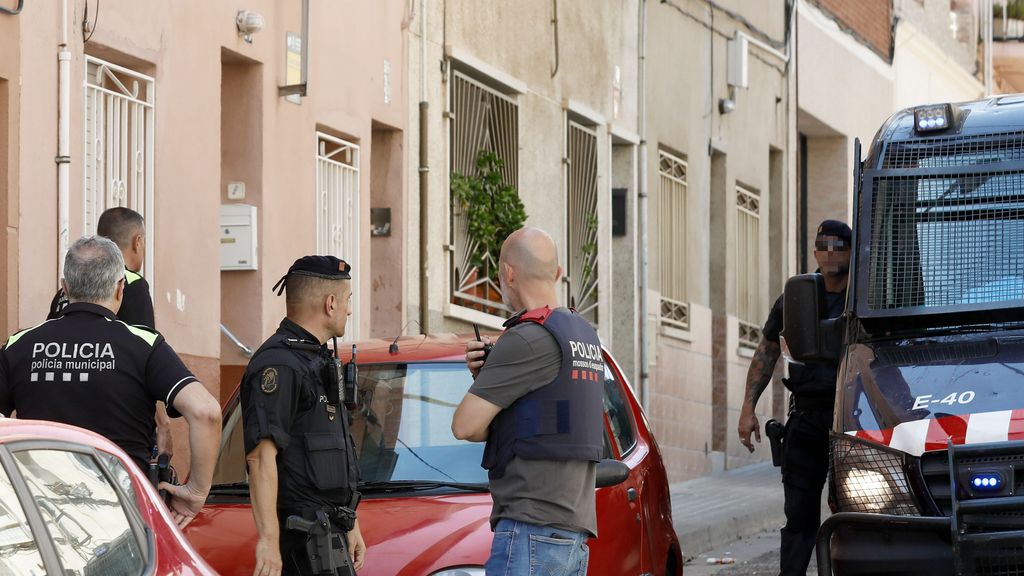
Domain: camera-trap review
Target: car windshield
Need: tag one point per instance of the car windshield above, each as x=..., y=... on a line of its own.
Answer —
x=942, y=241
x=402, y=427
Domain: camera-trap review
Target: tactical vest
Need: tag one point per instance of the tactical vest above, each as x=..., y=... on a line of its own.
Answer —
x=319, y=465
x=564, y=419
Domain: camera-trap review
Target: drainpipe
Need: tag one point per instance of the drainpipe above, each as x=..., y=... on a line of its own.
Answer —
x=424, y=176
x=63, y=158
x=642, y=210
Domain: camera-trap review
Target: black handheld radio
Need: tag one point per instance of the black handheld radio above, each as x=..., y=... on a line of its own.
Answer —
x=341, y=379
x=487, y=347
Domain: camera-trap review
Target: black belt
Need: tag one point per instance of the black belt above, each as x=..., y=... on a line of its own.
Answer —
x=814, y=402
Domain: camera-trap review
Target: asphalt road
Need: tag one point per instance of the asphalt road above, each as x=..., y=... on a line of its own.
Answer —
x=758, y=554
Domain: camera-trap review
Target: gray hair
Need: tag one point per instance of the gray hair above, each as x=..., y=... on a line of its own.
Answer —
x=92, y=268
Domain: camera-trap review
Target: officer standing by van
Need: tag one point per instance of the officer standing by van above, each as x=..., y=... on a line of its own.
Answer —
x=805, y=443
x=299, y=452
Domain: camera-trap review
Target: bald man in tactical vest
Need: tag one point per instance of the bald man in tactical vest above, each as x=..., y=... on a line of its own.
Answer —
x=536, y=400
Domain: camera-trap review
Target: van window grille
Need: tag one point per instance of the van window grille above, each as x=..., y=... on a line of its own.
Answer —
x=482, y=119
x=939, y=241
x=957, y=151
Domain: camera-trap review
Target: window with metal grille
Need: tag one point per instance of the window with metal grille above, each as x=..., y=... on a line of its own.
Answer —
x=672, y=187
x=337, y=208
x=581, y=273
x=118, y=167
x=951, y=238
x=748, y=268
x=482, y=119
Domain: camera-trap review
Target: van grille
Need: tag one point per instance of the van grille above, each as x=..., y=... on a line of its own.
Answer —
x=955, y=151
x=935, y=469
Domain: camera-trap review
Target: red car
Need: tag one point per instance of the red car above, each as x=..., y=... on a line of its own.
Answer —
x=425, y=504
x=71, y=502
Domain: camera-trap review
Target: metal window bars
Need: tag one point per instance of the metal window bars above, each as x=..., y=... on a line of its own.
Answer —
x=581, y=221
x=337, y=207
x=119, y=142
x=748, y=257
x=672, y=200
x=481, y=119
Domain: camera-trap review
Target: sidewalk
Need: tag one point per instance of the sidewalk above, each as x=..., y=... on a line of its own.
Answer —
x=715, y=510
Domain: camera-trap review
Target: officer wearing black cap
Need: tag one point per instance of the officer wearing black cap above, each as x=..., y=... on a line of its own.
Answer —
x=302, y=464
x=813, y=387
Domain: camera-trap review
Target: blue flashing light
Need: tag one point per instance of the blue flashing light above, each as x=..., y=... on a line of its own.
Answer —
x=987, y=481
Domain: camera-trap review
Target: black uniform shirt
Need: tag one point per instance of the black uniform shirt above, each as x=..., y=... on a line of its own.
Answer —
x=284, y=399
x=90, y=370
x=136, y=305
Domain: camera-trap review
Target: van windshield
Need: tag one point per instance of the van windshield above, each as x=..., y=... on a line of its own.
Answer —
x=957, y=380
x=948, y=242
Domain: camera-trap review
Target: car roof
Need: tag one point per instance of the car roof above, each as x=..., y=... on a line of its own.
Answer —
x=16, y=429
x=422, y=348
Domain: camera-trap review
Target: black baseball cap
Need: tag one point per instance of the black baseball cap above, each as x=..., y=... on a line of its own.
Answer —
x=327, y=267
x=835, y=228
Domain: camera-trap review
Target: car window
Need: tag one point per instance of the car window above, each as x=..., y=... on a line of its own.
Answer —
x=619, y=414
x=231, y=459
x=403, y=426
x=85, y=518
x=120, y=474
x=18, y=551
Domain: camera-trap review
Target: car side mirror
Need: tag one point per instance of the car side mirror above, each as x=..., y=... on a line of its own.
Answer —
x=809, y=336
x=611, y=472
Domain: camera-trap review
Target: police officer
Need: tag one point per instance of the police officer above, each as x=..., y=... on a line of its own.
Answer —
x=90, y=370
x=127, y=229
x=537, y=402
x=805, y=443
x=299, y=452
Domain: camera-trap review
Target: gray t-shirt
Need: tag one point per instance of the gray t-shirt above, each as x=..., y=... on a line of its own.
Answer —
x=544, y=492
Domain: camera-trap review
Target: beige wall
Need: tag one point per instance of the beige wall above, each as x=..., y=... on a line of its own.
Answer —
x=218, y=118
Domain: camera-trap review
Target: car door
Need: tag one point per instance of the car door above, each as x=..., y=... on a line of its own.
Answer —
x=619, y=549
x=66, y=514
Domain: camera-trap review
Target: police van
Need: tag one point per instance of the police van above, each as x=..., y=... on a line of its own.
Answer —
x=926, y=468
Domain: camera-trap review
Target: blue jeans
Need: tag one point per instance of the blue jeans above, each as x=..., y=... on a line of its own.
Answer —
x=521, y=549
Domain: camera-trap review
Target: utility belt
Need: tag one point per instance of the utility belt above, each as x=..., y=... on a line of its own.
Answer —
x=326, y=530
x=814, y=402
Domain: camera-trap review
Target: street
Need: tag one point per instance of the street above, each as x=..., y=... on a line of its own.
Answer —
x=758, y=554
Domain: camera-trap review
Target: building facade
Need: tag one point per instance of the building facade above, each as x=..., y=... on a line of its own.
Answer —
x=680, y=152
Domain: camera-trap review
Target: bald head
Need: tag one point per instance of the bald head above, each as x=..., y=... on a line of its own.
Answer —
x=531, y=252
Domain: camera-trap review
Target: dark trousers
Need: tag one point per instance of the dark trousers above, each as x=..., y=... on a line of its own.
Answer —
x=295, y=556
x=804, y=470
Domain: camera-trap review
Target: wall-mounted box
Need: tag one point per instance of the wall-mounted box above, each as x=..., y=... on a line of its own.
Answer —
x=238, y=237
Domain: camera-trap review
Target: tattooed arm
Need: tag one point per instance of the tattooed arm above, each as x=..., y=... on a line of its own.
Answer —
x=762, y=365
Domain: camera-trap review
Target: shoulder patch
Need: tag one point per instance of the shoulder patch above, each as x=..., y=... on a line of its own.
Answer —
x=17, y=335
x=150, y=336
x=268, y=380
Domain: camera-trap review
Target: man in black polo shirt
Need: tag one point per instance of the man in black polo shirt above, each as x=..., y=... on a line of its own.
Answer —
x=127, y=229
x=90, y=370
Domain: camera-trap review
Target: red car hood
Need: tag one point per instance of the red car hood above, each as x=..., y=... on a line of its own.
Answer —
x=411, y=535
x=415, y=536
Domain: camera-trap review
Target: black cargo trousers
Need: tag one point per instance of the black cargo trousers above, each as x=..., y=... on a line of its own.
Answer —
x=804, y=471
x=295, y=555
